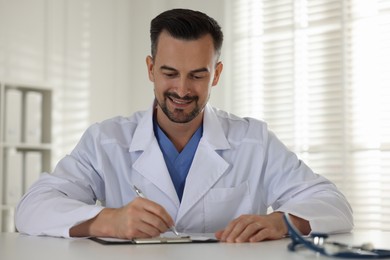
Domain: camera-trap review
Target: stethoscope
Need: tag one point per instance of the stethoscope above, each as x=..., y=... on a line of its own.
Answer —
x=317, y=242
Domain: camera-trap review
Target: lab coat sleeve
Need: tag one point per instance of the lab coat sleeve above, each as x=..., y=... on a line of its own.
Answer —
x=65, y=198
x=294, y=188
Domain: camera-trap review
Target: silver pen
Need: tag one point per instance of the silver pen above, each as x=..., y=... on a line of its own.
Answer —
x=141, y=195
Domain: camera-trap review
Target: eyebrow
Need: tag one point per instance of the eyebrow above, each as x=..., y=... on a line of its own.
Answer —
x=165, y=67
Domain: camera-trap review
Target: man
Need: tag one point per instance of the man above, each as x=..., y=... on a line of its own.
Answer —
x=202, y=169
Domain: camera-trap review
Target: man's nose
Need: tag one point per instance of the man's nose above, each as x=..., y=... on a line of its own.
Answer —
x=183, y=87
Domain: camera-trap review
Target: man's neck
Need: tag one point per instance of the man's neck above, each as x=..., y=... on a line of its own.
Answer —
x=178, y=133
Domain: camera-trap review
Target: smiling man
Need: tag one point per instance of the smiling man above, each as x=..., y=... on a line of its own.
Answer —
x=203, y=170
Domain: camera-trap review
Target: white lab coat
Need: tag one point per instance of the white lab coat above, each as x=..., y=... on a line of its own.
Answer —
x=240, y=167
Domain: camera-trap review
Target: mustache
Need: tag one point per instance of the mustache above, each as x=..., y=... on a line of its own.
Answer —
x=176, y=96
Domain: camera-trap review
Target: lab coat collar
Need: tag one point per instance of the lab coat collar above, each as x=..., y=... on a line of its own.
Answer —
x=213, y=133
x=144, y=133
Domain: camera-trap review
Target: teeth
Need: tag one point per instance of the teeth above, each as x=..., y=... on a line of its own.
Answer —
x=181, y=102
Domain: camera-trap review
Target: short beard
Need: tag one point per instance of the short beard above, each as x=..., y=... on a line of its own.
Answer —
x=178, y=116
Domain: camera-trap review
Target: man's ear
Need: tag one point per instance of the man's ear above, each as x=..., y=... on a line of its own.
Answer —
x=217, y=73
x=150, y=66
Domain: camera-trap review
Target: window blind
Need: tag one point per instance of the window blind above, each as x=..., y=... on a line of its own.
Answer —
x=318, y=72
x=68, y=69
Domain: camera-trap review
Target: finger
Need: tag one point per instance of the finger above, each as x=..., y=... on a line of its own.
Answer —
x=158, y=217
x=226, y=232
x=218, y=234
x=236, y=228
x=145, y=229
x=128, y=223
x=266, y=234
x=133, y=221
x=249, y=232
x=261, y=235
x=154, y=221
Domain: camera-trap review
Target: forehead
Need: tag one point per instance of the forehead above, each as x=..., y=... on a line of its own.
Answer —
x=180, y=51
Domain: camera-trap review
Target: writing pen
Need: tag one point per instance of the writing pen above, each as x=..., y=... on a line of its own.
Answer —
x=141, y=195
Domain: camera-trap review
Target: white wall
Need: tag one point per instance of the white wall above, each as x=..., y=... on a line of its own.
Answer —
x=22, y=40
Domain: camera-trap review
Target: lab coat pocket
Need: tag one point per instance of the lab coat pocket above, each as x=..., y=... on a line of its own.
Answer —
x=222, y=205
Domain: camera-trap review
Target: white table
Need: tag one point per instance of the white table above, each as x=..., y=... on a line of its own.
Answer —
x=14, y=246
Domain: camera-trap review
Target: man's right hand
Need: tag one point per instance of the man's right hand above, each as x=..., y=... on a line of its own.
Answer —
x=140, y=218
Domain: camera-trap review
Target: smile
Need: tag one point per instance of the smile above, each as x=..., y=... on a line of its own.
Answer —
x=180, y=101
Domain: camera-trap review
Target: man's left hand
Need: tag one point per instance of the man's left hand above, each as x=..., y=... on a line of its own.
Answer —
x=255, y=228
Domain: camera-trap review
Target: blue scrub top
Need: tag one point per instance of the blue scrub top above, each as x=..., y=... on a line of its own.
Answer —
x=178, y=164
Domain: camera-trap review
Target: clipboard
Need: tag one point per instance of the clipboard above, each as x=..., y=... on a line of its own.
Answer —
x=184, y=239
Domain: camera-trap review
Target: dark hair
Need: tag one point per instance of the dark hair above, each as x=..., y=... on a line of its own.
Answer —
x=185, y=24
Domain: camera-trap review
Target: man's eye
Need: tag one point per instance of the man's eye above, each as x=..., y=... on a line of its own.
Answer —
x=197, y=76
x=170, y=75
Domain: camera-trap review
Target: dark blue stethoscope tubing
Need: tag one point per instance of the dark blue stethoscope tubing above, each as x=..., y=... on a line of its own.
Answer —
x=379, y=253
x=298, y=239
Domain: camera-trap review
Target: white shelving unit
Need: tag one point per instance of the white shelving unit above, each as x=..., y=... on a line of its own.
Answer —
x=25, y=142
